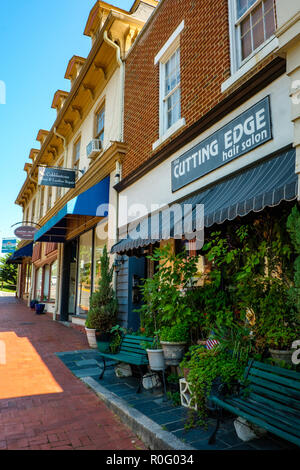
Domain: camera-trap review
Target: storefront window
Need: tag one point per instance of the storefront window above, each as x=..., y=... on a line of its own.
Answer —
x=53, y=282
x=46, y=282
x=99, y=245
x=38, y=285
x=84, y=272
x=28, y=278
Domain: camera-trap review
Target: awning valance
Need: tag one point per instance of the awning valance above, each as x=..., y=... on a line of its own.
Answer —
x=91, y=203
x=264, y=184
x=19, y=255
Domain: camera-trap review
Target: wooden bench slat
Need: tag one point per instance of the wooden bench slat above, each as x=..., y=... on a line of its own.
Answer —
x=258, y=421
x=276, y=387
x=266, y=415
x=279, y=407
x=258, y=409
x=277, y=370
x=276, y=396
x=294, y=384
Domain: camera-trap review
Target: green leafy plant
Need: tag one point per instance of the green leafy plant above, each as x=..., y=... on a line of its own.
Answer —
x=118, y=332
x=103, y=311
x=155, y=343
x=174, y=334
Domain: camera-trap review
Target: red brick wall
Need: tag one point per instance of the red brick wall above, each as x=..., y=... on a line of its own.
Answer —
x=205, y=65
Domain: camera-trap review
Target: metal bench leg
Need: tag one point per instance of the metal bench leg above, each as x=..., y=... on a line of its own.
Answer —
x=212, y=438
x=104, y=367
x=139, y=389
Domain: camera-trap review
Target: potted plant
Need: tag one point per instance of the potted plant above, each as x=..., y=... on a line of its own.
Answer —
x=39, y=308
x=155, y=354
x=102, y=315
x=173, y=340
x=33, y=304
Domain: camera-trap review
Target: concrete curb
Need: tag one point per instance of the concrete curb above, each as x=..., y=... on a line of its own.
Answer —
x=147, y=430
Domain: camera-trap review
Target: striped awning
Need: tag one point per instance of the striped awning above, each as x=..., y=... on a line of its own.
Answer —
x=265, y=184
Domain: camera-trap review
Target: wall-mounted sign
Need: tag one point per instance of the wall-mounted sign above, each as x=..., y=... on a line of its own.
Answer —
x=25, y=232
x=57, y=177
x=241, y=135
x=9, y=245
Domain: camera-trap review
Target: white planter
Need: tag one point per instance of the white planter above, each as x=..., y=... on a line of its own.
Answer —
x=156, y=359
x=173, y=352
x=247, y=431
x=91, y=337
x=285, y=356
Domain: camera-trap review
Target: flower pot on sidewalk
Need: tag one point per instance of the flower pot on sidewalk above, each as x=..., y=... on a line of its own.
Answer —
x=40, y=309
x=91, y=337
x=173, y=352
x=156, y=359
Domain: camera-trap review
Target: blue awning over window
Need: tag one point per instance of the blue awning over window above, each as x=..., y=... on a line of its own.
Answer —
x=264, y=184
x=19, y=255
x=91, y=203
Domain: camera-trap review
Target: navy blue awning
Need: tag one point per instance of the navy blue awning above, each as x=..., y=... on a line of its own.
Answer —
x=264, y=184
x=91, y=203
x=19, y=255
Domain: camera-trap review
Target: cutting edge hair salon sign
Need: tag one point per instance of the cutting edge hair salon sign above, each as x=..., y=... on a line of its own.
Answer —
x=247, y=131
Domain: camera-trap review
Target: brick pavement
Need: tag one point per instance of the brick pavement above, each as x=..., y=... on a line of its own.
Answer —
x=42, y=405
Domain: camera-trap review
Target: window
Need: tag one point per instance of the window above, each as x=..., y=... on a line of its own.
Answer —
x=76, y=155
x=49, y=201
x=168, y=58
x=100, y=117
x=42, y=196
x=33, y=211
x=255, y=23
x=53, y=282
x=38, y=284
x=84, y=272
x=46, y=283
x=171, y=100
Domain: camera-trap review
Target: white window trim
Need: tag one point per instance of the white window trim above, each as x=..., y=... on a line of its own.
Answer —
x=237, y=66
x=162, y=57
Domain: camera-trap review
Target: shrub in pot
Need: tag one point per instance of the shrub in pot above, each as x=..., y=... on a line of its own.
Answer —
x=173, y=340
x=102, y=315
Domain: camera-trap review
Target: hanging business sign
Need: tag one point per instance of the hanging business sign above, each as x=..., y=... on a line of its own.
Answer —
x=247, y=131
x=25, y=232
x=9, y=245
x=57, y=177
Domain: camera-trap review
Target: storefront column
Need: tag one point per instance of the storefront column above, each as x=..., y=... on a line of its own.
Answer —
x=59, y=280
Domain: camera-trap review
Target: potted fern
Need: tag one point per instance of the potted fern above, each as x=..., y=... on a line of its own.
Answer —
x=102, y=315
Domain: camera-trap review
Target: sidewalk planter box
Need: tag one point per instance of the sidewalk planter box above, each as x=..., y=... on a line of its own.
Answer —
x=186, y=395
x=156, y=359
x=173, y=352
x=40, y=309
x=91, y=337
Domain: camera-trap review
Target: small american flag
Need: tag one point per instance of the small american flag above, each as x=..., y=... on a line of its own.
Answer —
x=211, y=343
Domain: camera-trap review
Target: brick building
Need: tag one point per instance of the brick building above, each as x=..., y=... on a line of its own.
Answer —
x=208, y=119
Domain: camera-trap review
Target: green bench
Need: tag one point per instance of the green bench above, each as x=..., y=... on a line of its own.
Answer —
x=270, y=398
x=130, y=352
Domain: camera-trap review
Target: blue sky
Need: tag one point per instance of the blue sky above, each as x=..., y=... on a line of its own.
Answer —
x=37, y=39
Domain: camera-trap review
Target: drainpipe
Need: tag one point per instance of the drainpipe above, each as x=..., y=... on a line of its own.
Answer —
x=121, y=134
x=122, y=79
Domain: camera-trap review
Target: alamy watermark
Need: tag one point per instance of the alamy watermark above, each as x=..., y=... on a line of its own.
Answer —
x=2, y=92
x=177, y=221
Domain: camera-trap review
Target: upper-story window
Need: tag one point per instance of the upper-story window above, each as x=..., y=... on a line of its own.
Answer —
x=76, y=154
x=168, y=58
x=171, y=99
x=49, y=201
x=42, y=197
x=33, y=211
x=100, y=117
x=255, y=24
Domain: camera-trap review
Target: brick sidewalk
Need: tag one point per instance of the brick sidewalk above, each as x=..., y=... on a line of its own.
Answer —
x=42, y=405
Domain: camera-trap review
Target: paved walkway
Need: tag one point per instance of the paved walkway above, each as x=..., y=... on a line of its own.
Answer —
x=42, y=405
